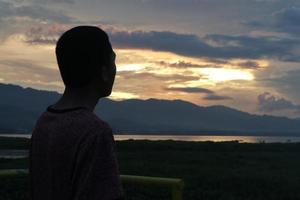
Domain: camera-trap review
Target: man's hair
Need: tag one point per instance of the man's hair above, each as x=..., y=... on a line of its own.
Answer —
x=79, y=52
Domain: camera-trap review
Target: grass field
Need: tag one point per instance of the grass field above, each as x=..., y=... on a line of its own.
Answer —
x=224, y=170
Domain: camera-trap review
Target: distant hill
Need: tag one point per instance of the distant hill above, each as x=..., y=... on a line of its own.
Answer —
x=20, y=108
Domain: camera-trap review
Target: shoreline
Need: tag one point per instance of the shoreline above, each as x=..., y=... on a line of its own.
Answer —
x=194, y=138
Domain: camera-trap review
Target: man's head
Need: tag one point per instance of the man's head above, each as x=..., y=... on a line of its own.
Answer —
x=85, y=58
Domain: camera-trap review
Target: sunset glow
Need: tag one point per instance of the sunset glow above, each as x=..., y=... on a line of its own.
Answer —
x=122, y=95
x=214, y=57
x=130, y=67
x=219, y=75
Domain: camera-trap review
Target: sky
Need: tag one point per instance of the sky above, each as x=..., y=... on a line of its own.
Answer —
x=244, y=54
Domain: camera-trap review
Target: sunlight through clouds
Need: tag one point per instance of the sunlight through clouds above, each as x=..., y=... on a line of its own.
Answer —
x=219, y=75
x=122, y=95
x=129, y=67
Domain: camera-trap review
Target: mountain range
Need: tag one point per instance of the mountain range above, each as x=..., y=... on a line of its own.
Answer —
x=20, y=108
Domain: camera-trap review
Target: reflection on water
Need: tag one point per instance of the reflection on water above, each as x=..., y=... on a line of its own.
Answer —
x=248, y=139
x=14, y=153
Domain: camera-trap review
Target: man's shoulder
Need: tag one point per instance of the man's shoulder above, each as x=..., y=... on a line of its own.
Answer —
x=98, y=131
x=99, y=123
x=80, y=119
x=97, y=126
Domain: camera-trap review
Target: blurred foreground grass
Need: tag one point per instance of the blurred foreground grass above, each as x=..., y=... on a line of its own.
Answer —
x=223, y=170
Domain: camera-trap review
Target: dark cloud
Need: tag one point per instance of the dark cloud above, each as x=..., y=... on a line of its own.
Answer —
x=217, y=61
x=175, y=78
x=241, y=46
x=181, y=64
x=285, y=20
x=257, y=47
x=183, y=44
x=249, y=64
x=210, y=95
x=245, y=47
x=269, y=103
x=214, y=97
x=190, y=90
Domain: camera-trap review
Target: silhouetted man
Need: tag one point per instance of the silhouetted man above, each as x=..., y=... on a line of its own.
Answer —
x=72, y=154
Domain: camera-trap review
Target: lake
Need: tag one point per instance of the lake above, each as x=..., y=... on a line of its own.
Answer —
x=214, y=138
x=243, y=139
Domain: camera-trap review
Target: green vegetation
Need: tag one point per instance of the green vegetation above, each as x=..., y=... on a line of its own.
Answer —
x=225, y=170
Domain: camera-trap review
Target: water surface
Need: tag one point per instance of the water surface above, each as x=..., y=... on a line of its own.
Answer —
x=214, y=138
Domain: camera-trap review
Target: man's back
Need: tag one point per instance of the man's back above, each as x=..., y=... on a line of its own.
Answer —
x=72, y=157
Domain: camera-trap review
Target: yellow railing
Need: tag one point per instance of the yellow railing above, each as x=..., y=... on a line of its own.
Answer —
x=176, y=185
x=13, y=171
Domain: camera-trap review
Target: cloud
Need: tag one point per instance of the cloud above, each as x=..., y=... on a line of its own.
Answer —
x=175, y=78
x=217, y=97
x=284, y=20
x=182, y=44
x=16, y=17
x=257, y=47
x=249, y=64
x=190, y=90
x=269, y=103
x=287, y=83
x=45, y=34
x=210, y=95
x=243, y=47
x=29, y=69
x=55, y=1
x=30, y=73
x=181, y=64
x=33, y=11
x=152, y=84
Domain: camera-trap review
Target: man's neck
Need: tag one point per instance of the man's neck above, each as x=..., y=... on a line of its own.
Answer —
x=77, y=98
